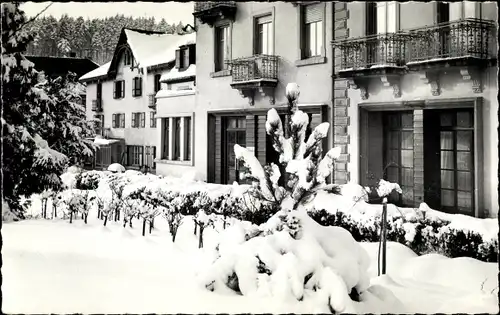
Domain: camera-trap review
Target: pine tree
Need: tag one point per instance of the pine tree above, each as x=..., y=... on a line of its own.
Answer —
x=29, y=164
x=300, y=159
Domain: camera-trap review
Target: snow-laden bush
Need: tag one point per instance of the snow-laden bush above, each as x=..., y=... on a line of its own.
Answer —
x=116, y=168
x=74, y=201
x=292, y=257
x=423, y=236
x=88, y=180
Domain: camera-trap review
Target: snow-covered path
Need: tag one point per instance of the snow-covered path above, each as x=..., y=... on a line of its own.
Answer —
x=57, y=267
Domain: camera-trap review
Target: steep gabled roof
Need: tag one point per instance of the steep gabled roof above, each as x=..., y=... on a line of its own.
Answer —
x=99, y=73
x=149, y=49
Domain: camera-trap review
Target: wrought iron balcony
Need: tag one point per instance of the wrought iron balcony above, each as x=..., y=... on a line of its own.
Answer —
x=374, y=51
x=152, y=101
x=97, y=105
x=468, y=40
x=210, y=11
x=255, y=72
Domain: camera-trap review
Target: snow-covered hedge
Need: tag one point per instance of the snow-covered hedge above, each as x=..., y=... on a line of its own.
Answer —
x=423, y=236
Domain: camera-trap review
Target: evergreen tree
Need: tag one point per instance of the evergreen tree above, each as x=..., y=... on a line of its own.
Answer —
x=26, y=155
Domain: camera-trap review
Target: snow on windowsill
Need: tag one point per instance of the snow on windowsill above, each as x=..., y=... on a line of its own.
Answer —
x=174, y=162
x=175, y=74
x=174, y=93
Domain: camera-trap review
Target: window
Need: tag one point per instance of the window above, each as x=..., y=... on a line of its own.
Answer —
x=150, y=156
x=264, y=35
x=312, y=41
x=157, y=82
x=118, y=121
x=84, y=100
x=127, y=58
x=99, y=124
x=119, y=89
x=137, y=86
x=165, y=136
x=176, y=139
x=138, y=120
x=386, y=17
x=152, y=119
x=221, y=47
x=135, y=155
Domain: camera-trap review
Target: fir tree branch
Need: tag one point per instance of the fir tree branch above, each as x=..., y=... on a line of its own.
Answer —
x=30, y=20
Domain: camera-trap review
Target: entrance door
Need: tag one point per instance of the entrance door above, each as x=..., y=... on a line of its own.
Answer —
x=235, y=133
x=398, y=155
x=449, y=160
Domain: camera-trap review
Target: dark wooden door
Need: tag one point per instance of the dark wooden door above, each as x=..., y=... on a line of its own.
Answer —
x=234, y=133
x=398, y=155
x=449, y=160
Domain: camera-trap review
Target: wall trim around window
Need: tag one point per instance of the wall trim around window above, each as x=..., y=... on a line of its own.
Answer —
x=224, y=22
x=192, y=140
x=255, y=16
x=444, y=103
x=300, y=36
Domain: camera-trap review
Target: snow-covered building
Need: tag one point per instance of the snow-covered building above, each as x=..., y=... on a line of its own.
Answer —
x=416, y=101
x=121, y=96
x=247, y=53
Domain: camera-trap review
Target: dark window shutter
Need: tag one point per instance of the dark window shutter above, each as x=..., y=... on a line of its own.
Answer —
x=114, y=90
x=178, y=58
x=113, y=121
x=122, y=85
x=99, y=90
x=133, y=120
x=192, y=54
x=139, y=88
x=313, y=13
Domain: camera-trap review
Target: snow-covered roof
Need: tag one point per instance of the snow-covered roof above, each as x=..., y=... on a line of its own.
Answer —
x=102, y=141
x=155, y=49
x=99, y=72
x=175, y=74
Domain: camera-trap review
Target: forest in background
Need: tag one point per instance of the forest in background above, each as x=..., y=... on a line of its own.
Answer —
x=92, y=38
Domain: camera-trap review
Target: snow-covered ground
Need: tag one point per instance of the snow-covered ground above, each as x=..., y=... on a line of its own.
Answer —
x=51, y=266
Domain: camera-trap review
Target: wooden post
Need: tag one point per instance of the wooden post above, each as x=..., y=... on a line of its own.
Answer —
x=384, y=235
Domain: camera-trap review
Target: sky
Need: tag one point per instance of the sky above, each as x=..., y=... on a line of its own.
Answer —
x=173, y=12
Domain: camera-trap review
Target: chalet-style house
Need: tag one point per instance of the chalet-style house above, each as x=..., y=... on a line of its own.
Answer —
x=416, y=100
x=121, y=97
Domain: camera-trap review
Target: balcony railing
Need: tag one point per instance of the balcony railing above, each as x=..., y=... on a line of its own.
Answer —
x=151, y=101
x=97, y=105
x=209, y=5
x=375, y=50
x=457, y=39
x=254, y=68
x=210, y=11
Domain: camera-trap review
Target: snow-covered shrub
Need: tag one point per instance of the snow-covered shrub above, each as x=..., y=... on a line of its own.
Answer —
x=88, y=180
x=423, y=236
x=173, y=214
x=202, y=220
x=74, y=201
x=116, y=168
x=291, y=256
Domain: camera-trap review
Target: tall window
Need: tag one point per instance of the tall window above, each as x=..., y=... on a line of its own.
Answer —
x=138, y=120
x=127, y=58
x=371, y=18
x=137, y=86
x=150, y=156
x=135, y=154
x=99, y=124
x=157, y=82
x=399, y=154
x=264, y=38
x=312, y=41
x=187, y=138
x=221, y=47
x=118, y=120
x=119, y=89
x=177, y=138
x=152, y=119
x=166, y=138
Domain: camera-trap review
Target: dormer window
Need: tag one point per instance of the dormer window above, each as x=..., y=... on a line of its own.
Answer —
x=127, y=58
x=185, y=56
